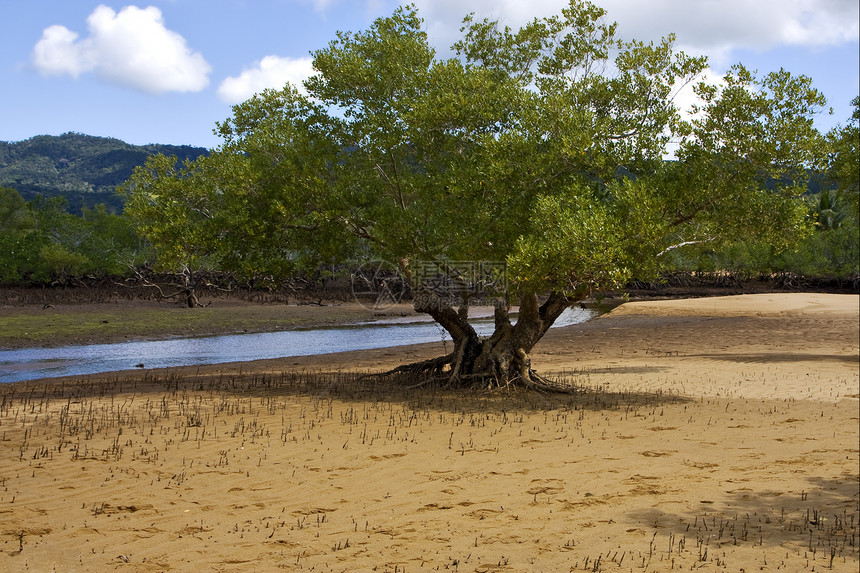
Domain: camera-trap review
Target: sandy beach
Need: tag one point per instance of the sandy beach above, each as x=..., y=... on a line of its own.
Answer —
x=712, y=434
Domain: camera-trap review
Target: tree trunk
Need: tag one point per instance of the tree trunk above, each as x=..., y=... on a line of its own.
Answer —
x=191, y=299
x=498, y=361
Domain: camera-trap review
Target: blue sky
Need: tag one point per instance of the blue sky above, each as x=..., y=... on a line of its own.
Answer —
x=164, y=71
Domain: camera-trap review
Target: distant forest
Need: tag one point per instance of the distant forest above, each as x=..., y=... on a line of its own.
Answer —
x=82, y=168
x=86, y=169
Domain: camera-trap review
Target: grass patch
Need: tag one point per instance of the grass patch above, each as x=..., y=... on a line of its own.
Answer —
x=102, y=323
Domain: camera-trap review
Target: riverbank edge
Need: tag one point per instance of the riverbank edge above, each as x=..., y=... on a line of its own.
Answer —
x=77, y=324
x=116, y=322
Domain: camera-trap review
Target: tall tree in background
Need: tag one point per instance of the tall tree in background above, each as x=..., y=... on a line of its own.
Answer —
x=535, y=155
x=844, y=165
x=174, y=207
x=15, y=216
x=41, y=242
x=19, y=245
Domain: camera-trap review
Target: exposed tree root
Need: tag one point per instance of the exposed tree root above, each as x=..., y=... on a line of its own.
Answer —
x=498, y=362
x=428, y=371
x=439, y=372
x=542, y=383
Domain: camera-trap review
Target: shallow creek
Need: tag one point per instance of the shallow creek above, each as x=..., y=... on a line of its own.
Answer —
x=34, y=363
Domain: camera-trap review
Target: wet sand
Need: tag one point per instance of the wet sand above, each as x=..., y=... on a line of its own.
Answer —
x=706, y=434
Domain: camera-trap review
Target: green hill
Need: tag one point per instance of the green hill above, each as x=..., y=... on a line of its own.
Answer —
x=83, y=168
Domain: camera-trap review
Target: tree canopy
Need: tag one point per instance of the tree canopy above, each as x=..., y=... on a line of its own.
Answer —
x=537, y=156
x=844, y=165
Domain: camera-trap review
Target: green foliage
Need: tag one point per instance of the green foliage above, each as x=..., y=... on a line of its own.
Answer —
x=579, y=232
x=58, y=263
x=833, y=253
x=42, y=242
x=542, y=147
x=171, y=208
x=826, y=254
x=828, y=210
x=748, y=158
x=276, y=213
x=19, y=257
x=15, y=217
x=844, y=166
x=112, y=244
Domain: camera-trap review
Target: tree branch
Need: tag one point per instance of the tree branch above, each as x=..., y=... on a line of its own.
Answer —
x=454, y=322
x=684, y=244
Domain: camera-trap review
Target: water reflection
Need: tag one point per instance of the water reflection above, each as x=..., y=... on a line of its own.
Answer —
x=32, y=363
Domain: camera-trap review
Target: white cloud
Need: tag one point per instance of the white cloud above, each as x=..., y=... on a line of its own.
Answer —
x=701, y=26
x=57, y=54
x=132, y=48
x=321, y=5
x=270, y=72
x=717, y=29
x=445, y=17
x=685, y=96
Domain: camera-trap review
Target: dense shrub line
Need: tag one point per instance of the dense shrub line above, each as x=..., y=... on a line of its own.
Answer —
x=49, y=255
